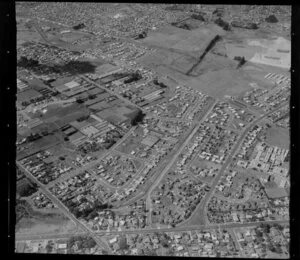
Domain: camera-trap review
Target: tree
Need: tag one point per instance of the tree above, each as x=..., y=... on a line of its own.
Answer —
x=48, y=248
x=92, y=96
x=79, y=26
x=26, y=188
x=89, y=242
x=222, y=24
x=198, y=17
x=271, y=19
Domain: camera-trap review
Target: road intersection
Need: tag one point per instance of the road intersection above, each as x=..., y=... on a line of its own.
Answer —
x=184, y=226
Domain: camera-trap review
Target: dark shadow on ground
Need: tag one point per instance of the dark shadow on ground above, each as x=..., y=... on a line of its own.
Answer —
x=71, y=68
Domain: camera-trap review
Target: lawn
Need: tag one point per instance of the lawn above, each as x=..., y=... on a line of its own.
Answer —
x=36, y=222
x=215, y=76
x=278, y=136
x=130, y=144
x=31, y=226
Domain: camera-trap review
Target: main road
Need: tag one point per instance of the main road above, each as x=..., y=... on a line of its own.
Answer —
x=152, y=181
x=202, y=205
x=64, y=209
x=92, y=163
x=153, y=230
x=171, y=163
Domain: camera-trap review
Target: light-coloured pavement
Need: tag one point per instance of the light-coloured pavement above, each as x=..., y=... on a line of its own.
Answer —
x=154, y=230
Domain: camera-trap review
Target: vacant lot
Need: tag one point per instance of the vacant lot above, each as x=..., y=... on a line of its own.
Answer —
x=215, y=83
x=26, y=35
x=278, y=136
x=216, y=75
x=177, y=48
x=34, y=222
x=197, y=219
x=64, y=115
x=30, y=226
x=129, y=145
x=182, y=40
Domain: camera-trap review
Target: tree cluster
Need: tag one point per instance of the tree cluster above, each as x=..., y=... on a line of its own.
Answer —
x=224, y=25
x=25, y=188
x=241, y=60
x=141, y=35
x=25, y=62
x=162, y=85
x=271, y=19
x=79, y=26
x=33, y=137
x=133, y=77
x=88, y=213
x=82, y=242
x=198, y=17
x=218, y=12
x=246, y=25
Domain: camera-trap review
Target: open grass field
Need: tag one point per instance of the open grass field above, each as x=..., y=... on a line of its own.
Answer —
x=216, y=75
x=51, y=225
x=178, y=48
x=35, y=222
x=187, y=41
x=71, y=36
x=105, y=68
x=216, y=83
x=129, y=145
x=278, y=137
x=64, y=115
x=197, y=219
x=25, y=36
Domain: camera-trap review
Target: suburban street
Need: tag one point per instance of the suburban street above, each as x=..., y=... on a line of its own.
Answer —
x=201, y=208
x=182, y=226
x=63, y=208
x=91, y=164
x=153, y=130
x=171, y=163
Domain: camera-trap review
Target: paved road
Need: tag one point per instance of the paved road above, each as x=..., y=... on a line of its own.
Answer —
x=113, y=93
x=41, y=32
x=202, y=204
x=63, y=208
x=153, y=179
x=171, y=163
x=153, y=230
x=92, y=163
